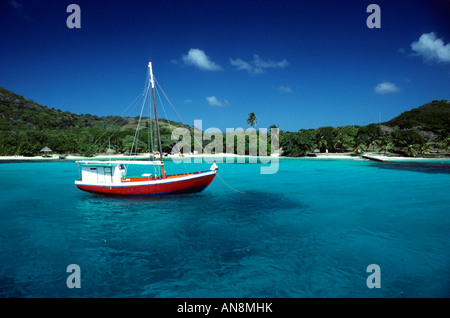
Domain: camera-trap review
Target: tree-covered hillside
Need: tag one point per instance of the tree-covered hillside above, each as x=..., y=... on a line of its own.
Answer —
x=422, y=131
x=19, y=113
x=433, y=116
x=26, y=127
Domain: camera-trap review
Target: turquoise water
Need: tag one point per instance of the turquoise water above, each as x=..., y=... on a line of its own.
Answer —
x=310, y=230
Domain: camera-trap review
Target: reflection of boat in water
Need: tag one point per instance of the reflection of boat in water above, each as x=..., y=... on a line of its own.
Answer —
x=110, y=177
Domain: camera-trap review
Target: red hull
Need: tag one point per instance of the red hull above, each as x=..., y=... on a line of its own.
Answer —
x=169, y=186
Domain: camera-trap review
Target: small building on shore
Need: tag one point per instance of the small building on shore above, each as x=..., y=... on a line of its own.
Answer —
x=46, y=152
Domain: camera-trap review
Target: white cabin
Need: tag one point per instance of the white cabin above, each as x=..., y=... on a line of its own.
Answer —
x=95, y=172
x=102, y=172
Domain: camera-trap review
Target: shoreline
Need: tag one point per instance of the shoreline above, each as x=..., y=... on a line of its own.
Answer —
x=55, y=157
x=321, y=156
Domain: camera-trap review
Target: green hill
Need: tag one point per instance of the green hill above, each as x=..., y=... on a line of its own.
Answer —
x=18, y=113
x=26, y=127
x=433, y=116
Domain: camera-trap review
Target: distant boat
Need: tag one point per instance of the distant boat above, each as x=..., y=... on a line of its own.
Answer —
x=110, y=177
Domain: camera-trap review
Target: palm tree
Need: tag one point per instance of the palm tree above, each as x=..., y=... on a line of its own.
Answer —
x=410, y=150
x=443, y=144
x=252, y=120
x=441, y=140
x=323, y=143
x=360, y=148
x=375, y=143
x=348, y=142
x=425, y=149
x=338, y=141
x=387, y=146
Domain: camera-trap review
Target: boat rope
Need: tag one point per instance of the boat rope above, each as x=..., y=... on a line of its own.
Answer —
x=167, y=119
x=151, y=140
x=121, y=118
x=165, y=114
x=229, y=185
x=170, y=103
x=182, y=121
x=136, y=134
x=193, y=135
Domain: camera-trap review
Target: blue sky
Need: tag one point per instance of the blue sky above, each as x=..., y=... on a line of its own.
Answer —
x=296, y=64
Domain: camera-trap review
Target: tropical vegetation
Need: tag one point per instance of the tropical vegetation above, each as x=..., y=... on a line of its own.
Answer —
x=252, y=120
x=26, y=127
x=423, y=131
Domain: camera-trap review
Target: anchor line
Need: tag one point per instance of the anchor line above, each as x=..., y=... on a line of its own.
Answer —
x=229, y=185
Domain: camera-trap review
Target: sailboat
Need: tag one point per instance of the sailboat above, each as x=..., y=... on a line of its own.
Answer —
x=110, y=177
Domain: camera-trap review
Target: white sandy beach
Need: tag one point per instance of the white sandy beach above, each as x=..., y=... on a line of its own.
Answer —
x=377, y=156
x=105, y=156
x=319, y=156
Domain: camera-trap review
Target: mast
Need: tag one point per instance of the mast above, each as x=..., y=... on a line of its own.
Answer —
x=156, y=119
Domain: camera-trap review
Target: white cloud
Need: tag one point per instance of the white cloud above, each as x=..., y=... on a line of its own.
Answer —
x=284, y=89
x=241, y=65
x=199, y=59
x=268, y=64
x=431, y=48
x=386, y=88
x=213, y=101
x=258, y=65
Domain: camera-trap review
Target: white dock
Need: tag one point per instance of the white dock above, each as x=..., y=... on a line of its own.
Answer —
x=376, y=158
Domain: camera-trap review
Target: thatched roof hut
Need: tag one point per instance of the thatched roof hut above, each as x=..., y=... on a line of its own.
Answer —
x=46, y=151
